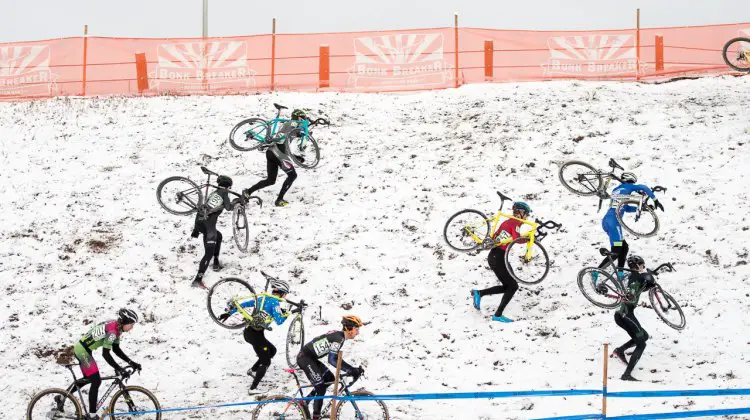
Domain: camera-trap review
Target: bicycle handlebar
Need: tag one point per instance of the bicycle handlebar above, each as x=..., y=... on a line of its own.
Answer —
x=549, y=224
x=666, y=266
x=321, y=121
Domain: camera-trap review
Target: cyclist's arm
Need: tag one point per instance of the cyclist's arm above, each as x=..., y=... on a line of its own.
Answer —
x=226, y=201
x=118, y=351
x=278, y=315
x=346, y=367
x=110, y=360
x=246, y=304
x=645, y=189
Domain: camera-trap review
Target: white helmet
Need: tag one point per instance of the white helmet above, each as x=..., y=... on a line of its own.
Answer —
x=628, y=177
x=279, y=286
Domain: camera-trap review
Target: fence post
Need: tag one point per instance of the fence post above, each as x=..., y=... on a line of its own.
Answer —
x=85, y=55
x=489, y=54
x=637, y=44
x=324, y=69
x=455, y=31
x=604, y=381
x=659, y=53
x=336, y=384
x=273, y=54
x=141, y=71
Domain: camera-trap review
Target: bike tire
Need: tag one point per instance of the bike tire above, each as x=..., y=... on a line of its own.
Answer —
x=216, y=300
x=259, y=130
x=298, y=144
x=68, y=398
x=126, y=401
x=458, y=237
x=588, y=183
x=725, y=53
x=191, y=198
x=295, y=339
x=605, y=291
x=661, y=310
x=376, y=409
x=274, y=407
x=629, y=225
x=521, y=272
x=240, y=228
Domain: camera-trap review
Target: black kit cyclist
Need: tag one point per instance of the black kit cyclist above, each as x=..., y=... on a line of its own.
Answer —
x=205, y=223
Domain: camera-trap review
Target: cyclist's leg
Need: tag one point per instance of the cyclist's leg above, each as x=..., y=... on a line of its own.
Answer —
x=263, y=349
x=272, y=169
x=614, y=231
x=495, y=259
x=620, y=321
x=90, y=375
x=209, y=245
x=217, y=248
x=641, y=336
x=509, y=283
x=318, y=374
x=291, y=175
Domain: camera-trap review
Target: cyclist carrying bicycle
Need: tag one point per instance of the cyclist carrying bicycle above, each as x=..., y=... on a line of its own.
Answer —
x=327, y=345
x=277, y=156
x=510, y=228
x=205, y=223
x=613, y=228
x=106, y=335
x=639, y=281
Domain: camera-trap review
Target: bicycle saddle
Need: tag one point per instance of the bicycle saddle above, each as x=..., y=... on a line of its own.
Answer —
x=279, y=107
x=614, y=164
x=503, y=196
x=208, y=171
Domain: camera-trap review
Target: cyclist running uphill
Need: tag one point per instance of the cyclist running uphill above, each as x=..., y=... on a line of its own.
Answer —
x=613, y=228
x=510, y=228
x=106, y=335
x=205, y=223
x=329, y=345
x=638, y=282
x=270, y=311
x=277, y=156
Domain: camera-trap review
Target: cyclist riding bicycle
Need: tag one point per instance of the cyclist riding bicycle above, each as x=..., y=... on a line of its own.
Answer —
x=254, y=333
x=510, y=228
x=277, y=156
x=610, y=224
x=638, y=282
x=106, y=335
x=205, y=223
x=327, y=345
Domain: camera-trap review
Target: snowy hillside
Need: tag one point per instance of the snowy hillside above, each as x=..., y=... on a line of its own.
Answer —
x=83, y=235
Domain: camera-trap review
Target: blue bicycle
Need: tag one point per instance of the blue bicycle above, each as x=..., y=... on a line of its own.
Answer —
x=257, y=133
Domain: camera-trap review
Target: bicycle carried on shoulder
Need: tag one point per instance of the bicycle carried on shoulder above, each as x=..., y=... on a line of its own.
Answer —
x=635, y=214
x=254, y=133
x=605, y=288
x=289, y=407
x=525, y=257
x=58, y=403
x=736, y=54
x=181, y=196
x=234, y=304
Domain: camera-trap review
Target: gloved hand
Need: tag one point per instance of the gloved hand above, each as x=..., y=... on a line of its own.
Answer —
x=285, y=313
x=195, y=233
x=658, y=205
x=358, y=372
x=223, y=317
x=122, y=373
x=246, y=194
x=135, y=365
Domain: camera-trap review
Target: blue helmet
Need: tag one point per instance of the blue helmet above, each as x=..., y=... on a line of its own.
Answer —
x=520, y=205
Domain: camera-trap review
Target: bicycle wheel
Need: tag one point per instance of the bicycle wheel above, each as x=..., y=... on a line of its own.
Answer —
x=45, y=405
x=221, y=306
x=667, y=308
x=530, y=269
x=239, y=228
x=303, y=149
x=179, y=195
x=362, y=409
x=580, y=178
x=249, y=134
x=466, y=230
x=295, y=339
x=736, y=54
x=643, y=222
x=134, y=399
x=600, y=287
x=274, y=407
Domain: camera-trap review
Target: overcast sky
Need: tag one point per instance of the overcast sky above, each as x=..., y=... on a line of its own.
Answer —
x=40, y=19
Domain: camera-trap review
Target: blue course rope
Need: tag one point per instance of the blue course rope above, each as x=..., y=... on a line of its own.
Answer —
x=683, y=393
x=685, y=414
x=576, y=417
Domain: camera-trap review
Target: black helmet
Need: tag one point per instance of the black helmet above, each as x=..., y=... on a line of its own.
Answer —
x=298, y=114
x=634, y=261
x=224, y=181
x=127, y=316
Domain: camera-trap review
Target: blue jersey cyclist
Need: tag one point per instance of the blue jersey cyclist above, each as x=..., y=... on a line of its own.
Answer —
x=612, y=226
x=270, y=312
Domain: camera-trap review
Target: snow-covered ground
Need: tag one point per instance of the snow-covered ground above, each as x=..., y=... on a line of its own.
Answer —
x=83, y=235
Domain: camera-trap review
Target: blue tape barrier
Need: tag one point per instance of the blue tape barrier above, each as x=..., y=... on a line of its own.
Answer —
x=577, y=417
x=682, y=393
x=685, y=414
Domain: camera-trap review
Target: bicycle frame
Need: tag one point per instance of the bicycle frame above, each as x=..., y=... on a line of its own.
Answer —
x=325, y=411
x=116, y=383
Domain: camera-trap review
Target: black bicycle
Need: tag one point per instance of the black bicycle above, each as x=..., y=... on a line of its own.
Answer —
x=181, y=196
x=736, y=54
x=604, y=287
x=282, y=407
x=57, y=403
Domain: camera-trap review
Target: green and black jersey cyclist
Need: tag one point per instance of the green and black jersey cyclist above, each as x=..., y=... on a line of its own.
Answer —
x=327, y=345
x=107, y=336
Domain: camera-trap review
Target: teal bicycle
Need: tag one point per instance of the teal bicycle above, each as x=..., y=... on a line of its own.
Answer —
x=257, y=133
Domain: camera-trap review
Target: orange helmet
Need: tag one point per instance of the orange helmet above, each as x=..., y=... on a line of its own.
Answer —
x=351, y=321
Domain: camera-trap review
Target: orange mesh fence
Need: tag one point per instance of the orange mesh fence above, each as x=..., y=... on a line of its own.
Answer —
x=354, y=61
